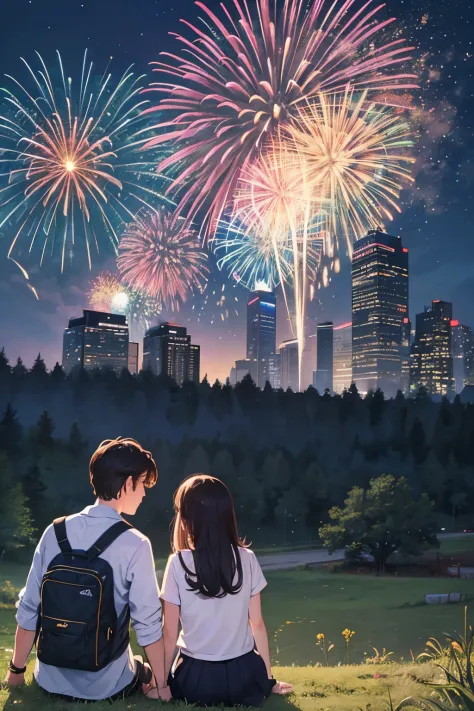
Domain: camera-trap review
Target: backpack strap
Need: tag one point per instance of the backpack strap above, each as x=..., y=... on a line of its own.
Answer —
x=61, y=534
x=107, y=538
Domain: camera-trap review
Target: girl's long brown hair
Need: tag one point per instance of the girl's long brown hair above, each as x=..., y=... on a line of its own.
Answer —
x=205, y=522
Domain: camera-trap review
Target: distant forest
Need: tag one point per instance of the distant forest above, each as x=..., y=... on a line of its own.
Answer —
x=287, y=457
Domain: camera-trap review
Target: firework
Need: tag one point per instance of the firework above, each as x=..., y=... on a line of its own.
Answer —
x=161, y=257
x=245, y=74
x=104, y=289
x=108, y=293
x=274, y=194
x=68, y=163
x=356, y=161
x=254, y=259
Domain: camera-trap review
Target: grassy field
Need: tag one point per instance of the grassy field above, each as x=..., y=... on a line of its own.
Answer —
x=336, y=689
x=383, y=611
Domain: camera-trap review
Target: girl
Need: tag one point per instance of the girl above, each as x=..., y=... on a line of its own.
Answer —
x=212, y=585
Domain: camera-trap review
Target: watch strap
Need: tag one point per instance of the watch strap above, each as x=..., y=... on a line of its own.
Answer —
x=16, y=670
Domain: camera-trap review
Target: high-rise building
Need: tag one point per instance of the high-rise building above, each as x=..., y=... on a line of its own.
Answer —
x=431, y=353
x=261, y=331
x=379, y=305
x=96, y=340
x=324, y=347
x=405, y=353
x=274, y=371
x=167, y=349
x=289, y=365
x=342, y=358
x=133, y=350
x=243, y=367
x=463, y=355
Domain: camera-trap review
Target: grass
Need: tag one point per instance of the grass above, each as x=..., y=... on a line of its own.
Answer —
x=460, y=544
x=384, y=612
x=336, y=689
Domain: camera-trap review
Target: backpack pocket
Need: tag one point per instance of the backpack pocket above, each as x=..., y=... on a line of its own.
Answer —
x=63, y=642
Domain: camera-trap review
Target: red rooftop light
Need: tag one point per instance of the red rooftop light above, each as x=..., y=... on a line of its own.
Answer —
x=455, y=322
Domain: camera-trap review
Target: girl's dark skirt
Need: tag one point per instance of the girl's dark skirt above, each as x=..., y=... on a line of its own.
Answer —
x=241, y=681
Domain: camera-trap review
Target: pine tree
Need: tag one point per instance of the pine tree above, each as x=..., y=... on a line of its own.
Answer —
x=5, y=369
x=77, y=444
x=44, y=430
x=197, y=462
x=10, y=431
x=58, y=375
x=34, y=492
x=16, y=527
x=19, y=370
x=38, y=370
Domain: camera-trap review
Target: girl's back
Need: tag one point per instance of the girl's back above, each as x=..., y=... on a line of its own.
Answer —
x=213, y=628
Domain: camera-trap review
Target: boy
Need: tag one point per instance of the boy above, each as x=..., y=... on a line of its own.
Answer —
x=120, y=471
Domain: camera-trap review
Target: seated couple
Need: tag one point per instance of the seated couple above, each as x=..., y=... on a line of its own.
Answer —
x=92, y=573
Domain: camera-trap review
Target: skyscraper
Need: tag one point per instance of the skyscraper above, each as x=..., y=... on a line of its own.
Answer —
x=167, y=349
x=133, y=353
x=379, y=305
x=324, y=347
x=406, y=359
x=274, y=371
x=431, y=354
x=289, y=365
x=261, y=331
x=463, y=355
x=96, y=340
x=243, y=367
x=342, y=360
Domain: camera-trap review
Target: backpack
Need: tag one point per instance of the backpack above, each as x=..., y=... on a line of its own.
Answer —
x=78, y=627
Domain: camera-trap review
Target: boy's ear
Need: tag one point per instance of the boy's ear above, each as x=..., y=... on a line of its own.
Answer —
x=128, y=486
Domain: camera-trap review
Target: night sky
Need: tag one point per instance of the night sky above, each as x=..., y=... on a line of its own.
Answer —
x=437, y=220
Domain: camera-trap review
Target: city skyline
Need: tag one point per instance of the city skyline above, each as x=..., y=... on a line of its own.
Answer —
x=437, y=206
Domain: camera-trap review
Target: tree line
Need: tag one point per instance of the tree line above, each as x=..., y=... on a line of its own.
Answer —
x=288, y=458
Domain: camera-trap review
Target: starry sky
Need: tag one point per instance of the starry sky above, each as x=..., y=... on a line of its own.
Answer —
x=437, y=219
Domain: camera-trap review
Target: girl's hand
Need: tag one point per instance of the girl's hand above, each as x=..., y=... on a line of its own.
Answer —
x=282, y=688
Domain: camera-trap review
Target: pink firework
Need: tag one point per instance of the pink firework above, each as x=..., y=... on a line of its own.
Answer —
x=245, y=73
x=161, y=257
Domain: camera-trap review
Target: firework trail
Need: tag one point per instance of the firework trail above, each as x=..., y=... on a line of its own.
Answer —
x=161, y=257
x=244, y=74
x=356, y=161
x=67, y=162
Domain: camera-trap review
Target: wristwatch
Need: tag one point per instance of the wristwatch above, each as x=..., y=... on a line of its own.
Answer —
x=14, y=669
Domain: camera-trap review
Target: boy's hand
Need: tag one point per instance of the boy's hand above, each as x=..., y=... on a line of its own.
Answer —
x=165, y=693
x=14, y=679
x=282, y=688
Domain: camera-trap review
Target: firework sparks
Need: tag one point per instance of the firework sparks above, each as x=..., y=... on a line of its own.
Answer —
x=161, y=257
x=250, y=259
x=108, y=293
x=67, y=157
x=356, y=161
x=104, y=289
x=244, y=75
x=274, y=195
